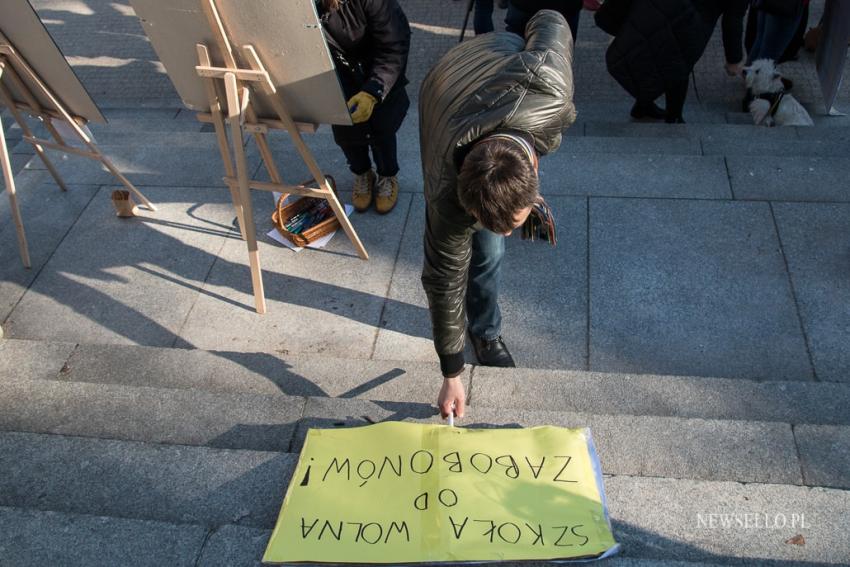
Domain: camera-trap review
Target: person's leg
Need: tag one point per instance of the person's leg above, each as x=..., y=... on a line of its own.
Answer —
x=758, y=40
x=515, y=20
x=386, y=162
x=482, y=291
x=356, y=153
x=675, y=96
x=385, y=154
x=482, y=22
x=357, y=156
x=775, y=33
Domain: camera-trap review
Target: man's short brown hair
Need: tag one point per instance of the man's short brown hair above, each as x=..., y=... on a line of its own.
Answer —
x=497, y=180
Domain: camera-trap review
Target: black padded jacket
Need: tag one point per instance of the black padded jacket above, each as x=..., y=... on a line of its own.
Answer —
x=370, y=41
x=657, y=42
x=496, y=81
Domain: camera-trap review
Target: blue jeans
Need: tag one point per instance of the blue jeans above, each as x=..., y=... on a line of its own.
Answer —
x=482, y=289
x=482, y=22
x=773, y=36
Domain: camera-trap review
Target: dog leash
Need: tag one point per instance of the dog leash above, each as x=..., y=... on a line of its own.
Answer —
x=774, y=101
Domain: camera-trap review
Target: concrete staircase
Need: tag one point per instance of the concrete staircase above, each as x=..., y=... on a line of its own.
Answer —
x=136, y=455
x=122, y=454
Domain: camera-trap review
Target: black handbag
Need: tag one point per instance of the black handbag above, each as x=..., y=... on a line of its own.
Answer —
x=785, y=8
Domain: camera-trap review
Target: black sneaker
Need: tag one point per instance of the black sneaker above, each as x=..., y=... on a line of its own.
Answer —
x=492, y=352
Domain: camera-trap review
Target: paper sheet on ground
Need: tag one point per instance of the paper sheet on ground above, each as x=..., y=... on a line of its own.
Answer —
x=320, y=243
x=408, y=493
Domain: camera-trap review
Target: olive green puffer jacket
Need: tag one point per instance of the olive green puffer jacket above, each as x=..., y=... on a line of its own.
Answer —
x=495, y=82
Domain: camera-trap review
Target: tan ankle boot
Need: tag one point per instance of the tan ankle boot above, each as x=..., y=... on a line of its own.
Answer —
x=364, y=185
x=387, y=190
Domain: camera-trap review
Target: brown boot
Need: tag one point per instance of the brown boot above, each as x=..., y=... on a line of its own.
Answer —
x=364, y=185
x=387, y=189
x=124, y=205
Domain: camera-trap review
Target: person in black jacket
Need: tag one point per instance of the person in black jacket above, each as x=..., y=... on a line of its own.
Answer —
x=487, y=109
x=370, y=41
x=656, y=45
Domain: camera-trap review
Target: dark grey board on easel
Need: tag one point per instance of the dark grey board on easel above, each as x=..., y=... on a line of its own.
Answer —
x=286, y=34
x=27, y=34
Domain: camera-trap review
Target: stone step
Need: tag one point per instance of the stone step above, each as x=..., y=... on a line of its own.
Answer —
x=635, y=445
x=143, y=481
x=34, y=537
x=654, y=518
x=106, y=138
x=521, y=389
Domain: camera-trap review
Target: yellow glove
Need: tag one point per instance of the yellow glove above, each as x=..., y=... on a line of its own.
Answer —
x=361, y=106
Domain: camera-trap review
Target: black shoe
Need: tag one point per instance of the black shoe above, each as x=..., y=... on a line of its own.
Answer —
x=492, y=352
x=651, y=111
x=674, y=120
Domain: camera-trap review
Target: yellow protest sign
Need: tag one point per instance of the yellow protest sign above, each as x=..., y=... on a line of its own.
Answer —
x=406, y=493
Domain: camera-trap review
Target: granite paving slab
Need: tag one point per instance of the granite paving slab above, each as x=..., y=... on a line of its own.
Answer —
x=158, y=164
x=129, y=281
x=32, y=360
x=815, y=239
x=325, y=301
x=251, y=372
x=626, y=129
x=789, y=178
x=825, y=454
x=691, y=288
x=151, y=415
x=48, y=214
x=736, y=147
x=33, y=537
x=672, y=396
x=124, y=479
x=660, y=175
x=728, y=522
x=597, y=146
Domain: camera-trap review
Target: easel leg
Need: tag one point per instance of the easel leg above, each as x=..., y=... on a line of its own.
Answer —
x=234, y=114
x=334, y=202
x=53, y=172
x=126, y=182
x=10, y=104
x=13, y=200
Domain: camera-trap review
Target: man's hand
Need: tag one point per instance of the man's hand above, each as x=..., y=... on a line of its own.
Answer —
x=452, y=393
x=361, y=106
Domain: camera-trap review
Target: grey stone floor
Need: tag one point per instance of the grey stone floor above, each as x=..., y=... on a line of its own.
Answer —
x=688, y=262
x=707, y=249
x=112, y=56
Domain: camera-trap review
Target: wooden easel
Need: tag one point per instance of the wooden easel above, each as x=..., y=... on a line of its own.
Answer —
x=238, y=83
x=12, y=66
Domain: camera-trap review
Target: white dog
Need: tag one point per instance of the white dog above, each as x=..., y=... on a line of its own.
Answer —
x=772, y=106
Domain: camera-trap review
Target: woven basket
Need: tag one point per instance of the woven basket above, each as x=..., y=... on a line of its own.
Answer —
x=308, y=235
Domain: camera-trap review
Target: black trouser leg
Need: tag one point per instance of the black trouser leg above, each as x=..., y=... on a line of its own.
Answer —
x=384, y=152
x=357, y=158
x=675, y=96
